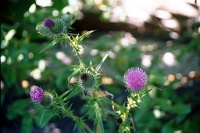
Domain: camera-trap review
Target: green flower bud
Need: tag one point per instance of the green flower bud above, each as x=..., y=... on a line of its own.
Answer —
x=47, y=100
x=58, y=26
x=87, y=81
x=44, y=30
x=55, y=28
x=66, y=18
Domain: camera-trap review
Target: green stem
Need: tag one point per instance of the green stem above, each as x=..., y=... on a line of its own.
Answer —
x=76, y=50
x=78, y=55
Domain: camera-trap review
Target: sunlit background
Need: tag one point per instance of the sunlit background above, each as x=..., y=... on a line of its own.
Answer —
x=162, y=37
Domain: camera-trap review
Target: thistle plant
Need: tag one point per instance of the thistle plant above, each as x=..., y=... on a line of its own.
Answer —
x=87, y=85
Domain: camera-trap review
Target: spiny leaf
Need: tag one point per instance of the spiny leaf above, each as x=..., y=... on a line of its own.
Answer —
x=73, y=74
x=47, y=115
x=121, y=108
x=147, y=91
x=97, y=112
x=51, y=44
x=73, y=92
x=59, y=99
x=79, y=122
x=75, y=18
x=82, y=126
x=102, y=61
x=80, y=39
x=98, y=119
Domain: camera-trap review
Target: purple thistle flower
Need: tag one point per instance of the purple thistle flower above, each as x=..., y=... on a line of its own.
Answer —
x=135, y=78
x=36, y=94
x=48, y=23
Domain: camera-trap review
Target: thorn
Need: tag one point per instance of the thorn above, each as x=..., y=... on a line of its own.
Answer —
x=132, y=121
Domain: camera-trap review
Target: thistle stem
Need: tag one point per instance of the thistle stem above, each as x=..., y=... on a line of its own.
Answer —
x=73, y=43
x=78, y=55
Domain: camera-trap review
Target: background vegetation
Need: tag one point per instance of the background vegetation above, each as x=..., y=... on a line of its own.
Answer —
x=162, y=38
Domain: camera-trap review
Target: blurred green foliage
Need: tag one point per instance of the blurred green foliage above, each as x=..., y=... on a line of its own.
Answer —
x=164, y=110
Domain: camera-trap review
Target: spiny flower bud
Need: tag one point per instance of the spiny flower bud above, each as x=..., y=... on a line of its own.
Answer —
x=66, y=18
x=135, y=78
x=87, y=81
x=47, y=100
x=58, y=26
x=52, y=27
x=36, y=94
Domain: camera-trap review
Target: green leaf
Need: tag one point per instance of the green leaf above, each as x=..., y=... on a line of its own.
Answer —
x=114, y=89
x=100, y=64
x=2, y=97
x=10, y=75
x=100, y=123
x=61, y=78
x=120, y=79
x=120, y=108
x=76, y=70
x=60, y=4
x=157, y=79
x=75, y=18
x=47, y=115
x=51, y=44
x=181, y=109
x=27, y=124
x=17, y=108
x=164, y=104
x=73, y=92
x=144, y=92
x=80, y=39
x=97, y=110
x=167, y=128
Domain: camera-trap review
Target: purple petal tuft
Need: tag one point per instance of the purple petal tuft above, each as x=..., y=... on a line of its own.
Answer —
x=135, y=78
x=36, y=94
x=48, y=23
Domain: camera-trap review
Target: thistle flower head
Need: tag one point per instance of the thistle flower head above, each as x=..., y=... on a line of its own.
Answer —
x=87, y=81
x=48, y=23
x=135, y=78
x=37, y=94
x=52, y=27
